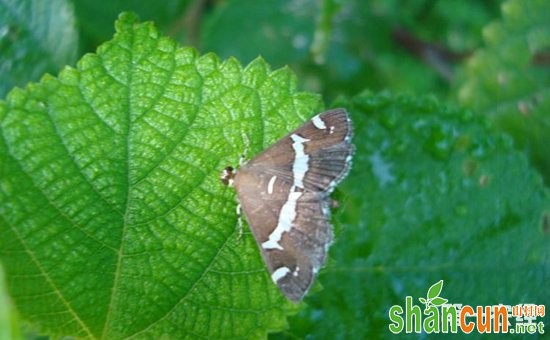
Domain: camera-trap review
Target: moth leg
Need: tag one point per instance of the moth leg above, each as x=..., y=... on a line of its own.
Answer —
x=240, y=228
x=242, y=160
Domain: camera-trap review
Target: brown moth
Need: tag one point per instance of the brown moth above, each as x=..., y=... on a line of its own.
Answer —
x=284, y=194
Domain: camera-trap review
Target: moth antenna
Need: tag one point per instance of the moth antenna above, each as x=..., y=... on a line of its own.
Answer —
x=246, y=141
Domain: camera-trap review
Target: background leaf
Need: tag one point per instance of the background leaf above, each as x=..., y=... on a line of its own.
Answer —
x=509, y=79
x=96, y=19
x=283, y=29
x=114, y=220
x=432, y=195
x=35, y=37
x=376, y=44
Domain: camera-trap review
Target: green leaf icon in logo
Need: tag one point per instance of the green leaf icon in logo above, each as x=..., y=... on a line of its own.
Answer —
x=433, y=298
x=439, y=301
x=435, y=290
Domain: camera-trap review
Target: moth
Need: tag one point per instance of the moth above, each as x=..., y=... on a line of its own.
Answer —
x=284, y=193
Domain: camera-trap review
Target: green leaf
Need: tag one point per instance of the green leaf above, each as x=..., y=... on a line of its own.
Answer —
x=438, y=301
x=323, y=31
x=507, y=81
x=113, y=220
x=435, y=290
x=95, y=19
x=341, y=47
x=364, y=50
x=280, y=31
x=432, y=195
x=35, y=37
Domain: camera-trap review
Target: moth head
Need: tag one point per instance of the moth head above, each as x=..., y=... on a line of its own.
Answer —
x=227, y=175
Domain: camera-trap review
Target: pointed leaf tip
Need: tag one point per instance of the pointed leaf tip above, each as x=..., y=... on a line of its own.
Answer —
x=435, y=289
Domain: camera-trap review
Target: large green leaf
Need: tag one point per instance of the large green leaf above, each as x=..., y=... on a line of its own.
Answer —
x=114, y=222
x=509, y=79
x=432, y=195
x=35, y=37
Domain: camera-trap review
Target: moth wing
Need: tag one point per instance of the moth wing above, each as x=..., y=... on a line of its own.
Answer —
x=284, y=195
x=294, y=258
x=327, y=151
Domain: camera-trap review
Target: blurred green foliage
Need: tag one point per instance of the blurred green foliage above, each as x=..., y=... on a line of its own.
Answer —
x=334, y=46
x=35, y=37
x=395, y=240
x=440, y=197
